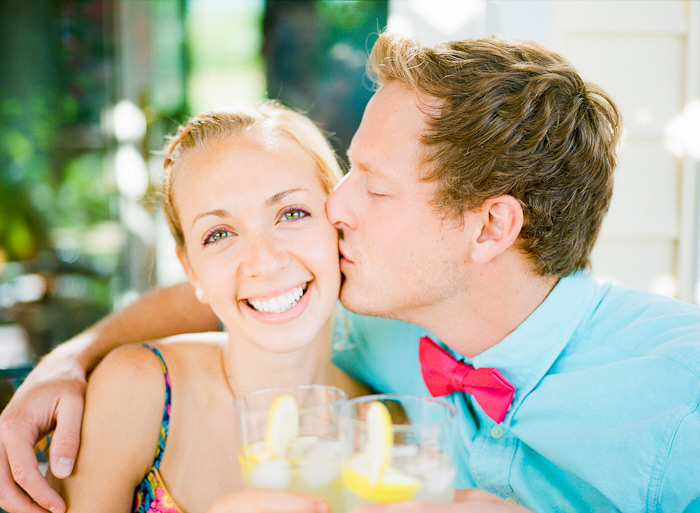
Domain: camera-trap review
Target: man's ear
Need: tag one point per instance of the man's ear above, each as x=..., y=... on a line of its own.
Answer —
x=500, y=220
x=191, y=277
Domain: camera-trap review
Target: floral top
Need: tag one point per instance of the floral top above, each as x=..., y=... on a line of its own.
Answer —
x=150, y=495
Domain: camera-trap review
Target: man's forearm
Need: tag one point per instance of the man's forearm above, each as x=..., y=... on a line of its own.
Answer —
x=159, y=313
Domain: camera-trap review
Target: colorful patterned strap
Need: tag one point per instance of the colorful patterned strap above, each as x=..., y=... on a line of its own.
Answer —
x=165, y=423
x=151, y=495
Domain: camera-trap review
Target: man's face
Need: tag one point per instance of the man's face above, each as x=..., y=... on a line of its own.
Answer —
x=400, y=257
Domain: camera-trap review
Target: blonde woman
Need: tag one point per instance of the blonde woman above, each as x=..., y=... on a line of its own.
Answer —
x=244, y=195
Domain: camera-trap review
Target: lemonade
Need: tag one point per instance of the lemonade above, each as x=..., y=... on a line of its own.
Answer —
x=411, y=477
x=289, y=441
x=310, y=465
x=390, y=463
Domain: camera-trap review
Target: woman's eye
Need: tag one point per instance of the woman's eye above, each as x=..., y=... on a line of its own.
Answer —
x=216, y=236
x=294, y=215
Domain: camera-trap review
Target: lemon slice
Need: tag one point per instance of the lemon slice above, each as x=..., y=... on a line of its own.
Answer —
x=282, y=426
x=380, y=439
x=394, y=486
x=367, y=474
x=298, y=447
x=256, y=452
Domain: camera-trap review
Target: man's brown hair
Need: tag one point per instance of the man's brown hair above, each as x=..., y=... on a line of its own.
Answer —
x=513, y=117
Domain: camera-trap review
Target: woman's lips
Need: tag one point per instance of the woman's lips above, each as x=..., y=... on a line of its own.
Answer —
x=276, y=318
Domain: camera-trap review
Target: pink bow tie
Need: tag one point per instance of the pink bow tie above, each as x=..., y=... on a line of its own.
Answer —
x=444, y=375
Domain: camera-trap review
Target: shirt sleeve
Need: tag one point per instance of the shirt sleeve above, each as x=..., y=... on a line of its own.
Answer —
x=678, y=485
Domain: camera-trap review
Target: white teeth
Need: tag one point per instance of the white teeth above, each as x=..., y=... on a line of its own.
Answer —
x=279, y=304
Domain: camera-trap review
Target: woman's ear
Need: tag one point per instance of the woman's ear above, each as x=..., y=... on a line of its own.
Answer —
x=191, y=277
x=500, y=220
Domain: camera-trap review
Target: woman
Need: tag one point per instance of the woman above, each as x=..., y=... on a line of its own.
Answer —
x=244, y=195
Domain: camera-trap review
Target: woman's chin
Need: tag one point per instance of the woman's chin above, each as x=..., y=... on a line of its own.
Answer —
x=285, y=345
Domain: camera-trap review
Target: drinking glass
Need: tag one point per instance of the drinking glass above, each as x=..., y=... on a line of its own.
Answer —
x=289, y=440
x=395, y=448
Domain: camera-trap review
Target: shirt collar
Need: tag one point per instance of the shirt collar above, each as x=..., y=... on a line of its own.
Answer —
x=525, y=355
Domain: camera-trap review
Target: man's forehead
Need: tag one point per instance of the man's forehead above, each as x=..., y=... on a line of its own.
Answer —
x=363, y=165
x=388, y=135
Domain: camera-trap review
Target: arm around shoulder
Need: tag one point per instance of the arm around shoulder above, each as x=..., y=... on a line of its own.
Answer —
x=52, y=394
x=123, y=412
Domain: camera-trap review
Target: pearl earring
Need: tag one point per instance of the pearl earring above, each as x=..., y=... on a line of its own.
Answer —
x=199, y=293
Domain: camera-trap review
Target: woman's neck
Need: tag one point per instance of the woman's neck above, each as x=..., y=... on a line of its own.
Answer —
x=249, y=367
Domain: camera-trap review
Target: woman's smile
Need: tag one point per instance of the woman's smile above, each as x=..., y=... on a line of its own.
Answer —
x=278, y=305
x=279, y=310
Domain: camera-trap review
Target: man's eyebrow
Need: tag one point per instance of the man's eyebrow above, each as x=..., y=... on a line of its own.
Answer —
x=362, y=166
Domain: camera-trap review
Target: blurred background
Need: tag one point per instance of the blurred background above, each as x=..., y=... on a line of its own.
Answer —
x=89, y=89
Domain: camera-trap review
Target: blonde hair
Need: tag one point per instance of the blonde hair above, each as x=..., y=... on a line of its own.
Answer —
x=271, y=118
x=513, y=117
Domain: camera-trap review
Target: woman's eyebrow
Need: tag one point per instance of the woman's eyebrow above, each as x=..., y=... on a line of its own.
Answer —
x=269, y=202
x=218, y=213
x=281, y=195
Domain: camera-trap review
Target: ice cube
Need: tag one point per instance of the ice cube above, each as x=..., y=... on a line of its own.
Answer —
x=320, y=472
x=299, y=447
x=321, y=466
x=327, y=449
x=272, y=474
x=404, y=451
x=439, y=481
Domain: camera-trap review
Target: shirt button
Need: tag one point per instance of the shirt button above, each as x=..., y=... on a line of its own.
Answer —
x=497, y=432
x=511, y=499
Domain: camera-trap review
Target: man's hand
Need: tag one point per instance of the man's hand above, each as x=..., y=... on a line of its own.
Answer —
x=268, y=501
x=466, y=501
x=52, y=397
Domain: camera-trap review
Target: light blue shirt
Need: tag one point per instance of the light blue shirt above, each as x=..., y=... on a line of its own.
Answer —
x=605, y=414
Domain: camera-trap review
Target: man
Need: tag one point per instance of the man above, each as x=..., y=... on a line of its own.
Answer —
x=480, y=176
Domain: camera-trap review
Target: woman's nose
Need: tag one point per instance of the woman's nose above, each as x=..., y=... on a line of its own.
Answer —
x=264, y=256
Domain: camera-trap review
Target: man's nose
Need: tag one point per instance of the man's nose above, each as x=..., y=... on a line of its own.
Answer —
x=339, y=205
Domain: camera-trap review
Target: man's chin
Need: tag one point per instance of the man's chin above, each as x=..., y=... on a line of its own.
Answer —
x=351, y=301
x=357, y=303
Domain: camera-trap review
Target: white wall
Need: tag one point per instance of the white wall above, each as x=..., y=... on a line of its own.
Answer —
x=646, y=55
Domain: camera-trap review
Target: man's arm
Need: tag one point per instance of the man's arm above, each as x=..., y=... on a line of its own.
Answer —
x=160, y=313
x=52, y=396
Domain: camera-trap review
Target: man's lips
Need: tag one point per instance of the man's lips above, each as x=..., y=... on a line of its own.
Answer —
x=344, y=257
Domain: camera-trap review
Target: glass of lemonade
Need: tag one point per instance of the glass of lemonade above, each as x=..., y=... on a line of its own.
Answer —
x=395, y=448
x=289, y=440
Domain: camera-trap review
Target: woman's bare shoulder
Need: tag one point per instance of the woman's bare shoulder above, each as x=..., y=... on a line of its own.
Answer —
x=193, y=354
x=127, y=388
x=135, y=368
x=121, y=425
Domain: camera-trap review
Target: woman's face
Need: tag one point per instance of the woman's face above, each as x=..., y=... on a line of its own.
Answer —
x=257, y=240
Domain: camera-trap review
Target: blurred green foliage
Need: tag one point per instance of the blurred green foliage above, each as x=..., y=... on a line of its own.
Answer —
x=55, y=67
x=43, y=186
